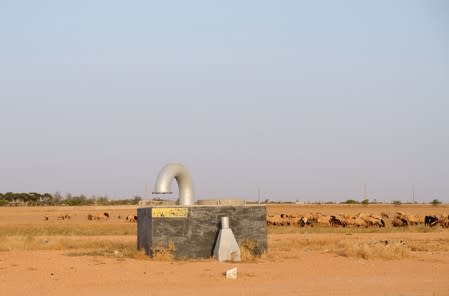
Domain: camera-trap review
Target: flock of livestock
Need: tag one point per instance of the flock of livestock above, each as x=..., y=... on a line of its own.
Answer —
x=98, y=217
x=399, y=219
x=106, y=216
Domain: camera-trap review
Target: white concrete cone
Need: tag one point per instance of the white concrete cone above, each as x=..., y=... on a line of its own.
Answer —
x=226, y=247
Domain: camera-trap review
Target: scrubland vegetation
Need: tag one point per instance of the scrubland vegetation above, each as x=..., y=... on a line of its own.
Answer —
x=56, y=199
x=25, y=229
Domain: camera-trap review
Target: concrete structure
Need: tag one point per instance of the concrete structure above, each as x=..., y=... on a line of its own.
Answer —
x=226, y=247
x=153, y=202
x=222, y=202
x=189, y=231
x=185, y=183
x=192, y=232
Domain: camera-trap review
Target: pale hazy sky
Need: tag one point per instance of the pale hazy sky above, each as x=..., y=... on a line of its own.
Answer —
x=308, y=100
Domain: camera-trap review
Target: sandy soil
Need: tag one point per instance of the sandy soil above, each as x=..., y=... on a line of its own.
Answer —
x=309, y=273
x=295, y=272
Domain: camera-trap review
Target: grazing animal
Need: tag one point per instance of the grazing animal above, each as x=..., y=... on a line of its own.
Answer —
x=357, y=221
x=131, y=219
x=444, y=221
x=295, y=220
x=430, y=221
x=413, y=219
x=375, y=222
x=275, y=220
x=337, y=221
x=306, y=221
x=333, y=221
x=407, y=219
x=310, y=220
x=289, y=220
x=106, y=214
x=95, y=217
x=398, y=222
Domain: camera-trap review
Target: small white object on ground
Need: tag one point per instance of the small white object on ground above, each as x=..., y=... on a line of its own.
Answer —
x=231, y=273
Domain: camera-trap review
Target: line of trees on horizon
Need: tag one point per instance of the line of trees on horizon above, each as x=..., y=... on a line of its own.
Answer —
x=434, y=202
x=57, y=199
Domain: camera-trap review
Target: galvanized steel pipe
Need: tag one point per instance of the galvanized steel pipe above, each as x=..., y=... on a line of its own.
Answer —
x=183, y=178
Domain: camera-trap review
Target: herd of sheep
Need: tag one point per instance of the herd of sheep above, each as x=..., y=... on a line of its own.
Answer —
x=98, y=217
x=399, y=219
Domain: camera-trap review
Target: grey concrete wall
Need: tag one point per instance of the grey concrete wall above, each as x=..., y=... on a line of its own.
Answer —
x=194, y=236
x=144, y=223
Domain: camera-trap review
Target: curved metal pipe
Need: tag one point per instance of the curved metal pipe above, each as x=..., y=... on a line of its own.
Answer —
x=185, y=183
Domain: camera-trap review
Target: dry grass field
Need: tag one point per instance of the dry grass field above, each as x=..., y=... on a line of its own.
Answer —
x=78, y=256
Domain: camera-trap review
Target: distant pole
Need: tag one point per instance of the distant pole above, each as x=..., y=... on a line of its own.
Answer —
x=258, y=196
x=365, y=191
x=413, y=193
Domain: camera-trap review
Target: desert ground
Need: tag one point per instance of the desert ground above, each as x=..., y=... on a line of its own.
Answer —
x=78, y=256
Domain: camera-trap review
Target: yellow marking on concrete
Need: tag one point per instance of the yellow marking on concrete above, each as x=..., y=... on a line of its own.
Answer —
x=169, y=212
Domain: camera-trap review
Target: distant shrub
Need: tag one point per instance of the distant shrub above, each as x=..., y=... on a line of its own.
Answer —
x=435, y=202
x=397, y=202
x=350, y=201
x=390, y=250
x=47, y=199
x=81, y=200
x=365, y=202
